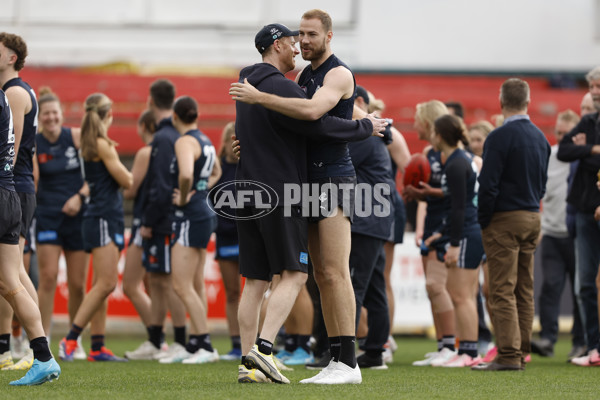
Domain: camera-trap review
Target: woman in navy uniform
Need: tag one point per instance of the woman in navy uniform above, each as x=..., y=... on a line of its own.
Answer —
x=195, y=169
x=61, y=196
x=102, y=221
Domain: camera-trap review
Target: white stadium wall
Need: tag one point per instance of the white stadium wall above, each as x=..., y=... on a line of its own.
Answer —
x=462, y=35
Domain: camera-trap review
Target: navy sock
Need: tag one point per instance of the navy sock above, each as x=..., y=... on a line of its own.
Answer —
x=440, y=345
x=155, y=334
x=4, y=343
x=335, y=348
x=236, y=342
x=97, y=342
x=264, y=346
x=304, y=342
x=466, y=347
x=291, y=342
x=74, y=332
x=449, y=342
x=41, y=352
x=179, y=334
x=348, y=350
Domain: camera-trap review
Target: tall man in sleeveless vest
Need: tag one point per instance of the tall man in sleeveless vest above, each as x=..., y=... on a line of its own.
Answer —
x=21, y=97
x=330, y=87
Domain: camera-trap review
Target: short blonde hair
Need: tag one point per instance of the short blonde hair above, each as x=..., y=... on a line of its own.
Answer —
x=429, y=111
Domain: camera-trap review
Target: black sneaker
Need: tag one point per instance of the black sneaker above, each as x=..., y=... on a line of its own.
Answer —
x=324, y=361
x=576, y=351
x=543, y=347
x=366, y=361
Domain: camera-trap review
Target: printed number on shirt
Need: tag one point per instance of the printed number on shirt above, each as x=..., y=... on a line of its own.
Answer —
x=210, y=153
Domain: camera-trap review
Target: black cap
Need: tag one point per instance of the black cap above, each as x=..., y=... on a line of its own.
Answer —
x=269, y=34
x=362, y=92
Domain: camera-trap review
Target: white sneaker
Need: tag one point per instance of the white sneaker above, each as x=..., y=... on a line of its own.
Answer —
x=391, y=343
x=6, y=360
x=342, y=374
x=463, y=360
x=146, y=351
x=23, y=364
x=19, y=346
x=323, y=373
x=79, y=353
x=443, y=357
x=176, y=356
x=167, y=351
x=202, y=356
x=427, y=361
x=388, y=355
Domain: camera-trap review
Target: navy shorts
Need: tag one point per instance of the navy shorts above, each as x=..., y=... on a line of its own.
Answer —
x=156, y=257
x=135, y=239
x=60, y=230
x=399, y=219
x=10, y=217
x=471, y=249
x=272, y=243
x=432, y=222
x=28, y=203
x=99, y=232
x=228, y=248
x=334, y=193
x=190, y=233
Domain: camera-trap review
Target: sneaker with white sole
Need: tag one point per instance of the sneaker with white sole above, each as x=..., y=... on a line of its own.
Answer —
x=234, y=354
x=265, y=363
x=323, y=373
x=23, y=364
x=19, y=346
x=365, y=361
x=176, y=356
x=202, y=356
x=429, y=357
x=79, y=353
x=300, y=357
x=388, y=355
x=342, y=374
x=39, y=373
x=6, y=360
x=253, y=375
x=463, y=360
x=168, y=351
x=443, y=357
x=584, y=361
x=391, y=344
x=145, y=351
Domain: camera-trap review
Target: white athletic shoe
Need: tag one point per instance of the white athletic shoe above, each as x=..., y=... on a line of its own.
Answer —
x=79, y=353
x=23, y=364
x=19, y=346
x=387, y=355
x=168, y=351
x=342, y=374
x=443, y=357
x=322, y=374
x=176, y=356
x=391, y=343
x=427, y=360
x=202, y=356
x=146, y=351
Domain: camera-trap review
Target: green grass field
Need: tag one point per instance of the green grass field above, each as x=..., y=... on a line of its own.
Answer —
x=544, y=378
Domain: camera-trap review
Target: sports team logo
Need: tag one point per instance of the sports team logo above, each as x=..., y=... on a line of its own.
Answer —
x=233, y=195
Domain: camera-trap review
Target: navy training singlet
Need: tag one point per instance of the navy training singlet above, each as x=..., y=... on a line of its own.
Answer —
x=197, y=209
x=106, y=199
x=7, y=144
x=23, y=171
x=60, y=171
x=328, y=158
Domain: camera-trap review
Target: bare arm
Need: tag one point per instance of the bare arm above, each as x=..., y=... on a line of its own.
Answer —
x=76, y=136
x=187, y=150
x=420, y=222
x=338, y=84
x=20, y=104
x=108, y=154
x=216, y=173
x=399, y=150
x=138, y=170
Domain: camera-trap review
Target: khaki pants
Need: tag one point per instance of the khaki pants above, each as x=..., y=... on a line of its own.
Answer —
x=510, y=241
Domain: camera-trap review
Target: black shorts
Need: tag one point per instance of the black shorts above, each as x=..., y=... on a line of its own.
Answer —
x=10, y=217
x=60, y=230
x=228, y=248
x=156, y=257
x=272, y=243
x=28, y=204
x=335, y=192
x=399, y=218
x=99, y=232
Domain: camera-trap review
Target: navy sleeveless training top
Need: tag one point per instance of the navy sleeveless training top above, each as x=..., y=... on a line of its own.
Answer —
x=23, y=171
x=106, y=199
x=327, y=157
x=197, y=209
x=7, y=144
x=60, y=171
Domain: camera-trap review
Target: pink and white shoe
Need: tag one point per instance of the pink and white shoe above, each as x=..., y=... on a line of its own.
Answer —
x=443, y=357
x=463, y=360
x=586, y=361
x=490, y=355
x=527, y=359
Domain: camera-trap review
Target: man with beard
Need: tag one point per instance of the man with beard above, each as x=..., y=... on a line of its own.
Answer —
x=275, y=243
x=330, y=88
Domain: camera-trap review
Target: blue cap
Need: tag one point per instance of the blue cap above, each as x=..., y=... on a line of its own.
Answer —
x=269, y=34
